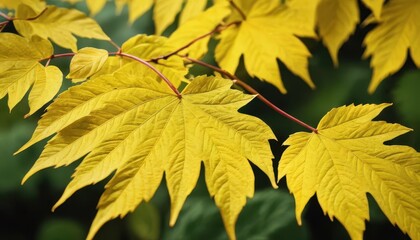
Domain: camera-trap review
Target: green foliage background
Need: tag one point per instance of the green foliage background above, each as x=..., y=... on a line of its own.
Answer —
x=25, y=210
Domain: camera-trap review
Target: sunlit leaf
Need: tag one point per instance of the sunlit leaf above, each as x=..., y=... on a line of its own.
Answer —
x=388, y=43
x=59, y=25
x=347, y=159
x=19, y=65
x=86, y=62
x=141, y=130
x=273, y=23
x=45, y=88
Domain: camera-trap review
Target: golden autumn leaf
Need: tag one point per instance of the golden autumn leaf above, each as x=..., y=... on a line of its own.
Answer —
x=20, y=69
x=275, y=24
x=345, y=160
x=398, y=32
x=141, y=130
x=57, y=24
x=198, y=26
x=95, y=6
x=86, y=62
x=191, y=9
x=336, y=21
x=45, y=88
x=164, y=13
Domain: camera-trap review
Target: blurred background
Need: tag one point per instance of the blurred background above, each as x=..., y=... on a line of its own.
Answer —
x=25, y=210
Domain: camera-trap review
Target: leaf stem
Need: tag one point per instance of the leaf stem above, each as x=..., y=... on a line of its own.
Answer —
x=235, y=6
x=217, y=29
x=251, y=90
x=147, y=64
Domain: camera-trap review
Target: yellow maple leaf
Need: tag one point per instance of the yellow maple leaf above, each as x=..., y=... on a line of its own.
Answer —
x=164, y=13
x=337, y=20
x=86, y=62
x=347, y=159
x=57, y=24
x=140, y=130
x=269, y=21
x=45, y=88
x=398, y=31
x=191, y=9
x=137, y=8
x=95, y=6
x=197, y=26
x=20, y=69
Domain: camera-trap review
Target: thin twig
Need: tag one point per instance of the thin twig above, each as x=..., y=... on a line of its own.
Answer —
x=251, y=90
x=238, y=9
x=147, y=64
x=215, y=30
x=58, y=56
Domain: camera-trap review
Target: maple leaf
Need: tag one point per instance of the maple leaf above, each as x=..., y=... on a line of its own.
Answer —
x=397, y=32
x=198, y=26
x=271, y=21
x=20, y=69
x=86, y=62
x=191, y=9
x=140, y=129
x=164, y=13
x=57, y=24
x=347, y=159
x=337, y=20
x=95, y=6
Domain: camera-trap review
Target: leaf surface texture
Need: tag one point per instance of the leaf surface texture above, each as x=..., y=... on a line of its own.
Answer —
x=130, y=124
x=347, y=159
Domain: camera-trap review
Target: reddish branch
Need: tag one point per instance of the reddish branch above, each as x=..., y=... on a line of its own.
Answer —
x=251, y=90
x=214, y=31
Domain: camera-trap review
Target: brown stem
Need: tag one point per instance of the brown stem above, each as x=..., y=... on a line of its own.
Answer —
x=215, y=30
x=58, y=56
x=147, y=64
x=235, y=6
x=251, y=90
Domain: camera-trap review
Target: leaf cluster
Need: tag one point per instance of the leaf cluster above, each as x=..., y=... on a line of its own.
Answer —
x=137, y=115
